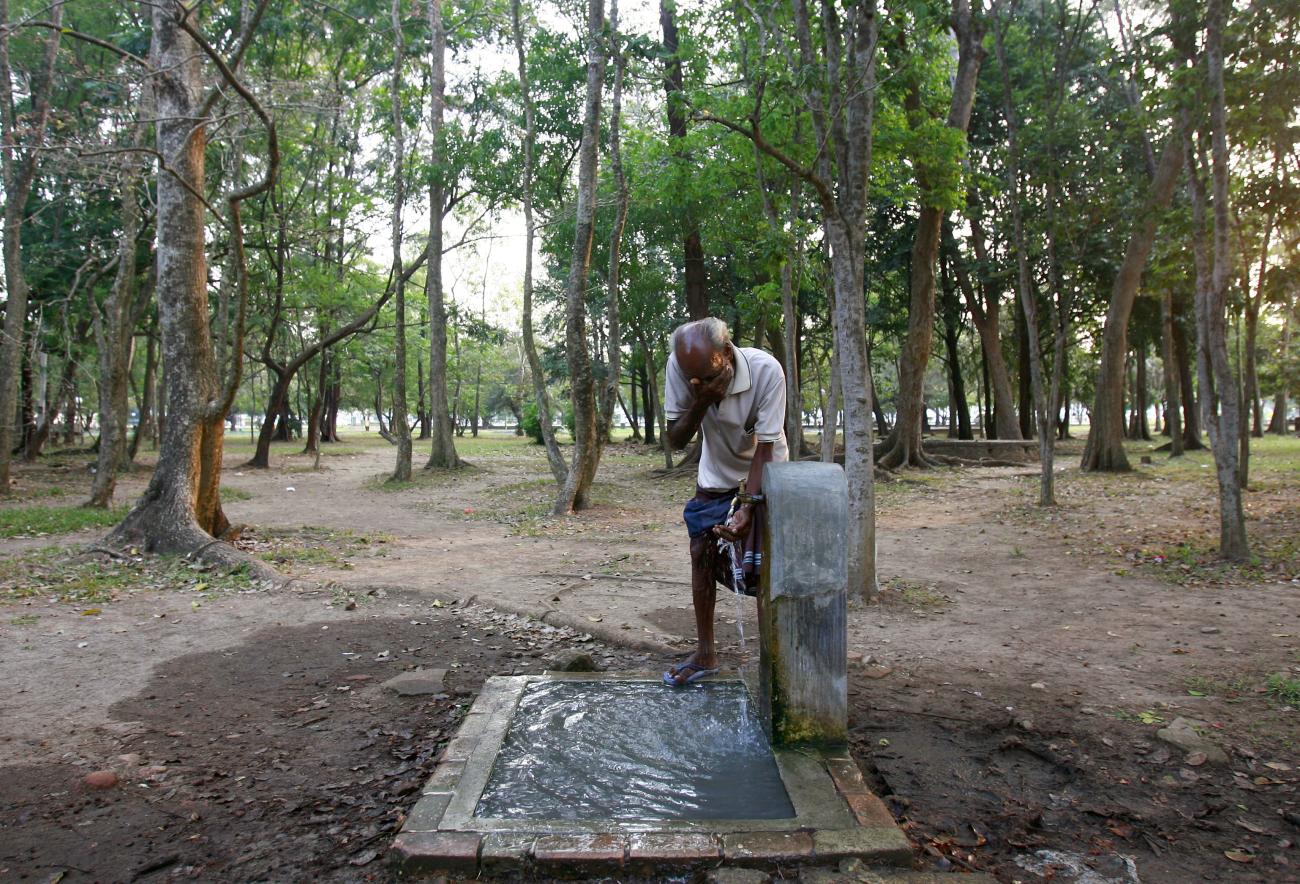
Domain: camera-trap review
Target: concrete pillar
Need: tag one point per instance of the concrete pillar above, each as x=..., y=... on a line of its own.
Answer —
x=803, y=615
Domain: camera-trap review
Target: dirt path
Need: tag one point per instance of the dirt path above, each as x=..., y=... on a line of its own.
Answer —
x=1007, y=680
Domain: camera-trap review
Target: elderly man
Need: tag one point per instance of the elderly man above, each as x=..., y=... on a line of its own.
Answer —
x=735, y=397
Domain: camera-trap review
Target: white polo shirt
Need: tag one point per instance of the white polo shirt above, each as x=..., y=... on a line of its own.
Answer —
x=753, y=411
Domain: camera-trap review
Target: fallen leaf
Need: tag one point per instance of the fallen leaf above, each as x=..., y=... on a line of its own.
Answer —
x=1276, y=765
x=1251, y=827
x=91, y=612
x=1239, y=856
x=1196, y=759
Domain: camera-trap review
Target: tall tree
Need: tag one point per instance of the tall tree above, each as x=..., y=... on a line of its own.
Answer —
x=613, y=334
x=22, y=136
x=1104, y=450
x=180, y=511
x=443, y=454
x=114, y=326
x=576, y=487
x=903, y=447
x=697, y=290
x=1024, y=289
x=400, y=428
x=1220, y=397
x=536, y=374
x=838, y=89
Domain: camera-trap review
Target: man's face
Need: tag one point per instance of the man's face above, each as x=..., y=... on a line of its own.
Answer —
x=703, y=365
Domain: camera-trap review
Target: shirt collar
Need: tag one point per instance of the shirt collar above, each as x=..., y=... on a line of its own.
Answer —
x=740, y=382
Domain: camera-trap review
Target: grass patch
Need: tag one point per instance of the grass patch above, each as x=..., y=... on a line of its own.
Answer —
x=35, y=521
x=231, y=493
x=420, y=478
x=1283, y=689
x=913, y=594
x=1204, y=686
x=24, y=620
x=314, y=546
x=76, y=578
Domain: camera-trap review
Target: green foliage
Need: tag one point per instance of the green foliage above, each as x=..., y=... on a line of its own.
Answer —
x=532, y=423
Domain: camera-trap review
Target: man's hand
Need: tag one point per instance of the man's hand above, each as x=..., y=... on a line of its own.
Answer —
x=715, y=389
x=737, y=527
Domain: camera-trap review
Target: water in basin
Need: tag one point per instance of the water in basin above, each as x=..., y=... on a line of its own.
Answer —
x=609, y=750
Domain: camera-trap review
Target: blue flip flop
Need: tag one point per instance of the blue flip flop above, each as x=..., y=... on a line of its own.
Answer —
x=695, y=670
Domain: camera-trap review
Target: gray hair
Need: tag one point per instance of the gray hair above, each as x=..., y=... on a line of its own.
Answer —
x=713, y=329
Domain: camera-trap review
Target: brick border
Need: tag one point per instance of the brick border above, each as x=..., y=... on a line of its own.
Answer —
x=439, y=837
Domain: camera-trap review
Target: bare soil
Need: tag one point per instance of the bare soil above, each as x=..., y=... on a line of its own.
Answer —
x=1006, y=685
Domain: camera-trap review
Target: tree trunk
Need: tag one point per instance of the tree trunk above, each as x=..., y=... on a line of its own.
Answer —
x=574, y=491
x=329, y=431
x=613, y=334
x=958, y=409
x=650, y=399
x=904, y=445
x=984, y=308
x=144, y=428
x=1277, y=424
x=442, y=453
x=789, y=309
x=1186, y=386
x=1024, y=376
x=1104, y=450
x=697, y=292
x=19, y=161
x=1173, y=404
x=1028, y=302
x=1140, y=392
x=655, y=407
x=559, y=470
x=1220, y=401
x=400, y=428
x=180, y=510
x=317, y=409
x=831, y=414
x=115, y=338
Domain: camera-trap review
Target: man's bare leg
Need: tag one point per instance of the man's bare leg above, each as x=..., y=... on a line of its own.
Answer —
x=704, y=596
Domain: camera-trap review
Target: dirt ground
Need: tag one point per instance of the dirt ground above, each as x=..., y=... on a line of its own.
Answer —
x=1007, y=684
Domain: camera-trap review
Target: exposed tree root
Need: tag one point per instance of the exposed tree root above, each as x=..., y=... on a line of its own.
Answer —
x=188, y=540
x=898, y=456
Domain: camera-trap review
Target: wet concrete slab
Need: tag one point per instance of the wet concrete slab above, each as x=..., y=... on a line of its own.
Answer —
x=831, y=816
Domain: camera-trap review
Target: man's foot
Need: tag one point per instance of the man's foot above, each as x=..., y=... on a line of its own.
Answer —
x=687, y=672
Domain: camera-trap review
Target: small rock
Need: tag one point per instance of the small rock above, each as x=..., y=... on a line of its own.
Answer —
x=1187, y=734
x=573, y=661
x=417, y=683
x=1038, y=686
x=100, y=779
x=131, y=758
x=1210, y=630
x=1087, y=710
x=877, y=671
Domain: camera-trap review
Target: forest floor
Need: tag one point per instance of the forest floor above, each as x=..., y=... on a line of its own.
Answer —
x=1006, y=686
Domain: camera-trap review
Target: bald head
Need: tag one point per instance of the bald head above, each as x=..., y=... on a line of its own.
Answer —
x=703, y=349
